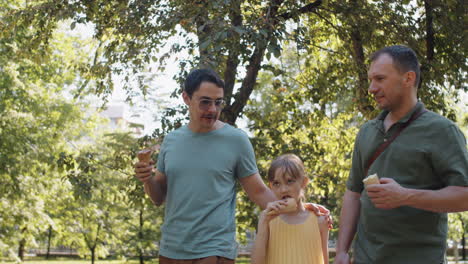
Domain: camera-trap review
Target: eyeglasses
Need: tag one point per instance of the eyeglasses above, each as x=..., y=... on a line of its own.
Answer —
x=205, y=104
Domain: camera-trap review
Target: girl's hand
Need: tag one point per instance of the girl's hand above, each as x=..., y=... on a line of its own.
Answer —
x=272, y=210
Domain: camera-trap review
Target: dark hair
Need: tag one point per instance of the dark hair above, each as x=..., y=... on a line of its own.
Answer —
x=290, y=164
x=404, y=60
x=196, y=77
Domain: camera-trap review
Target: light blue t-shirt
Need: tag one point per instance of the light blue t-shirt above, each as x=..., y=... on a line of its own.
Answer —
x=201, y=171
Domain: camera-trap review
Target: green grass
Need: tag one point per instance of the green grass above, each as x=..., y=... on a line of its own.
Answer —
x=87, y=261
x=65, y=260
x=243, y=261
x=68, y=261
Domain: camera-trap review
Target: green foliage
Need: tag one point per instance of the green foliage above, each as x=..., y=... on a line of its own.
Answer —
x=51, y=177
x=109, y=210
x=36, y=126
x=232, y=36
x=458, y=225
x=299, y=66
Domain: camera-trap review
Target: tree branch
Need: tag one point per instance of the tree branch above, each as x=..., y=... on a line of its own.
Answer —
x=97, y=55
x=204, y=29
x=303, y=10
x=364, y=105
x=327, y=21
x=272, y=18
x=234, y=51
x=231, y=112
x=429, y=31
x=430, y=40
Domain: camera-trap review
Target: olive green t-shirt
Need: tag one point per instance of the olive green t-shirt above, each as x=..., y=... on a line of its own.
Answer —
x=430, y=154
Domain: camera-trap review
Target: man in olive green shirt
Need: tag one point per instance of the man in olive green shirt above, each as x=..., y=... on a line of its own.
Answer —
x=423, y=173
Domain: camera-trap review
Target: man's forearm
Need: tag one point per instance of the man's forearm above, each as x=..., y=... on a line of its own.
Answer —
x=449, y=199
x=264, y=197
x=156, y=189
x=257, y=191
x=348, y=221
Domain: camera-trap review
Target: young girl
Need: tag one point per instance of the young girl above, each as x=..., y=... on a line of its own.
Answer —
x=297, y=237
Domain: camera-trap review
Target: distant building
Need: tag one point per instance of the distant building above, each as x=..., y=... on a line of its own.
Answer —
x=116, y=116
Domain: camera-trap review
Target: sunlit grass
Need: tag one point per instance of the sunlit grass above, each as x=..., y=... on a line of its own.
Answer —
x=69, y=261
x=78, y=261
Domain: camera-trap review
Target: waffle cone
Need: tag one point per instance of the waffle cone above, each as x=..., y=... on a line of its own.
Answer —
x=371, y=179
x=291, y=206
x=144, y=155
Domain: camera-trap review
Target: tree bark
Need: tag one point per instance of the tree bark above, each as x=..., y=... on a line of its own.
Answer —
x=21, y=249
x=22, y=244
x=233, y=60
x=430, y=40
x=463, y=242
x=305, y=9
x=49, y=240
x=140, y=236
x=271, y=18
x=204, y=29
x=363, y=102
x=233, y=111
x=93, y=255
x=92, y=243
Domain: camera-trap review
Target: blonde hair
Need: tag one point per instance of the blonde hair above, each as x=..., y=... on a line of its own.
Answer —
x=290, y=164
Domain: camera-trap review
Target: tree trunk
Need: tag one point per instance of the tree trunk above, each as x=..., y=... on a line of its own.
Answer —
x=22, y=244
x=49, y=240
x=204, y=30
x=233, y=60
x=233, y=111
x=272, y=18
x=363, y=102
x=93, y=248
x=463, y=242
x=429, y=30
x=21, y=249
x=93, y=255
x=430, y=40
x=140, y=236
x=364, y=105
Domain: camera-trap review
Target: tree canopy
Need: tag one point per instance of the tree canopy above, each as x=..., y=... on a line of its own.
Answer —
x=295, y=72
x=234, y=37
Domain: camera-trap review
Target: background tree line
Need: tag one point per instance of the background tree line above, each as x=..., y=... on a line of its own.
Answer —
x=295, y=72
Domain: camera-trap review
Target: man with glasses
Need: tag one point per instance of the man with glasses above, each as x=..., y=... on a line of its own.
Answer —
x=196, y=174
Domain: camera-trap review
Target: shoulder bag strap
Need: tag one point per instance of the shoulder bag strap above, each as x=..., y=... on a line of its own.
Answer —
x=384, y=145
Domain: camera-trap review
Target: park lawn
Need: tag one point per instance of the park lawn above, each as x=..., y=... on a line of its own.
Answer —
x=69, y=261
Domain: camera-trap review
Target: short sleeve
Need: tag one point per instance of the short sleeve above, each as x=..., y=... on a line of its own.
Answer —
x=356, y=174
x=450, y=158
x=162, y=152
x=246, y=163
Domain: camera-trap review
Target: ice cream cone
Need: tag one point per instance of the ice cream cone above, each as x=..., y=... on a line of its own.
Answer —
x=291, y=206
x=144, y=155
x=371, y=179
